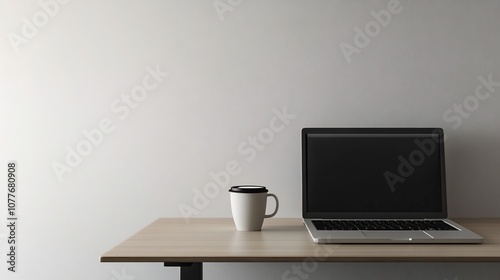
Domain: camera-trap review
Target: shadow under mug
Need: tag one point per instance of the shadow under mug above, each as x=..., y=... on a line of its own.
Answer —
x=248, y=206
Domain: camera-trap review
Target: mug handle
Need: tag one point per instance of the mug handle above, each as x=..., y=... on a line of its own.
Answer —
x=277, y=206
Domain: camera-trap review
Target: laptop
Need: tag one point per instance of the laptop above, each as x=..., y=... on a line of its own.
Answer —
x=377, y=185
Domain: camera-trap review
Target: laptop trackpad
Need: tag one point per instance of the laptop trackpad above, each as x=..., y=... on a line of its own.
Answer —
x=396, y=235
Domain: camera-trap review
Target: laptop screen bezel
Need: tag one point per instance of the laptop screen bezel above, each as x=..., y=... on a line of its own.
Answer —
x=374, y=215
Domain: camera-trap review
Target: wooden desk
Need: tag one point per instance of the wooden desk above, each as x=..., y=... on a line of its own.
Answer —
x=174, y=242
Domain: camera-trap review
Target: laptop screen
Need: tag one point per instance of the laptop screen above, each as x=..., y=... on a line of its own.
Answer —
x=373, y=173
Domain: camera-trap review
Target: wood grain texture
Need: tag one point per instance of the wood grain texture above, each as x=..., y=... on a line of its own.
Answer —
x=286, y=240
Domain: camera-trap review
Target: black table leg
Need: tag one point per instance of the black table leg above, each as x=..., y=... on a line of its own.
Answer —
x=189, y=271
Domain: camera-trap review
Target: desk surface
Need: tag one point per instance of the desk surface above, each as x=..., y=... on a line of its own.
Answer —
x=286, y=240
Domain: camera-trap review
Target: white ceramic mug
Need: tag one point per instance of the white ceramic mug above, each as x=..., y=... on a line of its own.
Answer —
x=248, y=205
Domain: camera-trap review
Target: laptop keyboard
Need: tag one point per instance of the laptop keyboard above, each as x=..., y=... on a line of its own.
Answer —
x=382, y=225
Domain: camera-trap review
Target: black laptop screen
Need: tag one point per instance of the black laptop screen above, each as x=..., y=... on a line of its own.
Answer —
x=373, y=173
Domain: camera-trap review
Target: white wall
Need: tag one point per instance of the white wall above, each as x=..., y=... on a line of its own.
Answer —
x=228, y=73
